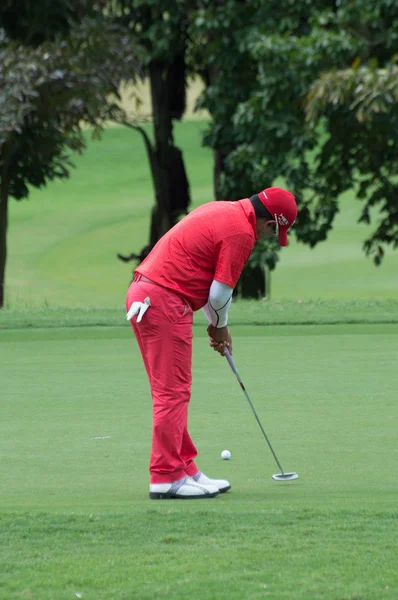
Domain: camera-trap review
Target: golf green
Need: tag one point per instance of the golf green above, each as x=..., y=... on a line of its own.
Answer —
x=76, y=416
x=76, y=422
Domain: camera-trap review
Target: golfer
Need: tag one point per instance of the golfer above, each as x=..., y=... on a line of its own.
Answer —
x=195, y=265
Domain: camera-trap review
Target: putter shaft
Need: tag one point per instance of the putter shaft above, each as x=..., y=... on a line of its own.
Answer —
x=235, y=370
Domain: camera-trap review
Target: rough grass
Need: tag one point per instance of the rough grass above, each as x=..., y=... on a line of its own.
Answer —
x=243, y=312
x=200, y=552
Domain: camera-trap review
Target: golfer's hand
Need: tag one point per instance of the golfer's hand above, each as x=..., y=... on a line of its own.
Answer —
x=219, y=339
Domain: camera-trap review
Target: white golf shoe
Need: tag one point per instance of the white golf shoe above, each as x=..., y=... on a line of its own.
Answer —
x=221, y=484
x=183, y=489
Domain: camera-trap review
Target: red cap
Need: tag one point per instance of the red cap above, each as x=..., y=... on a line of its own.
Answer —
x=283, y=208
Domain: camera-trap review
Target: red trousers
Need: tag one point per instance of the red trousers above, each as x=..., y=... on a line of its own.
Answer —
x=164, y=336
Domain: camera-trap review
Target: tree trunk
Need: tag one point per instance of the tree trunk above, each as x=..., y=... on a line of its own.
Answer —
x=4, y=187
x=163, y=143
x=170, y=181
x=167, y=165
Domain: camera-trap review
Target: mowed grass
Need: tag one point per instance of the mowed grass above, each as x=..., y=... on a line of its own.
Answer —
x=319, y=363
x=64, y=240
x=76, y=520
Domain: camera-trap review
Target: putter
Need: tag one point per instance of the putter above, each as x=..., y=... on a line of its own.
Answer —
x=282, y=476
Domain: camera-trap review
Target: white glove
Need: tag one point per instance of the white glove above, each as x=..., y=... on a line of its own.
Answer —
x=138, y=308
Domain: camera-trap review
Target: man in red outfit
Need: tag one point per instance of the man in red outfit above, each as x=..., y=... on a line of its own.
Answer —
x=196, y=264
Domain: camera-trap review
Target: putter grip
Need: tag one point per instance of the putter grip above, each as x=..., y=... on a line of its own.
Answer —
x=230, y=360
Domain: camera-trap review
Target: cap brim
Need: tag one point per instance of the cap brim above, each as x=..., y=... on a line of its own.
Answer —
x=283, y=241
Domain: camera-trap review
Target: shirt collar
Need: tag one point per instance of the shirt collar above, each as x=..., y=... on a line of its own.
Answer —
x=248, y=209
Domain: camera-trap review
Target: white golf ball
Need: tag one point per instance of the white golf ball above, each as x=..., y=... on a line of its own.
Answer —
x=225, y=454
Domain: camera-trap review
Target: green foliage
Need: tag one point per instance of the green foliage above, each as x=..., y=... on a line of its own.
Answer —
x=32, y=22
x=374, y=24
x=359, y=107
x=229, y=72
x=49, y=90
x=162, y=31
x=265, y=136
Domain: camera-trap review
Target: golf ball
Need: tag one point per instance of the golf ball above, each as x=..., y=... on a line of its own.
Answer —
x=225, y=454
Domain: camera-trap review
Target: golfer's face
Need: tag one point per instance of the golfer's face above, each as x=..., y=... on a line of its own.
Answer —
x=268, y=231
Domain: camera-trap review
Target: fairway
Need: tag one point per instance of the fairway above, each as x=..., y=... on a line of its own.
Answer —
x=76, y=518
x=64, y=240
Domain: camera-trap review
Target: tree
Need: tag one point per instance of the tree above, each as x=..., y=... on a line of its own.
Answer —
x=47, y=92
x=358, y=107
x=162, y=34
x=255, y=100
x=217, y=30
x=266, y=136
x=33, y=22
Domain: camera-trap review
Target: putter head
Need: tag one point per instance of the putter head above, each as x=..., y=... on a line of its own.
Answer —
x=285, y=476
